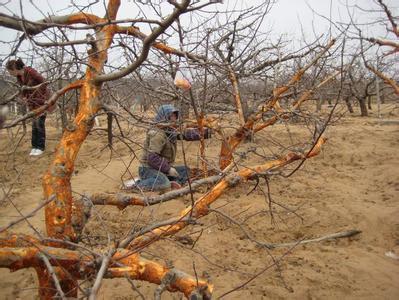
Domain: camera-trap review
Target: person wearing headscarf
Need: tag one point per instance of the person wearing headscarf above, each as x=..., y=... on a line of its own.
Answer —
x=157, y=170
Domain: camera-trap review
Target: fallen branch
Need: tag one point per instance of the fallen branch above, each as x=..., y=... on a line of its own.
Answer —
x=328, y=237
x=167, y=280
x=200, y=207
x=123, y=200
x=18, y=240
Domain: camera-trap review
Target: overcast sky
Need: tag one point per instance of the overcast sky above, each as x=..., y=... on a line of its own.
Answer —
x=289, y=17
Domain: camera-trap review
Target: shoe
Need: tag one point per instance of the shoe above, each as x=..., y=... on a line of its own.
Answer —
x=32, y=152
x=36, y=152
x=175, y=185
x=130, y=184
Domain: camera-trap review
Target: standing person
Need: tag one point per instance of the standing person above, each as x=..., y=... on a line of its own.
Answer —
x=157, y=172
x=33, y=98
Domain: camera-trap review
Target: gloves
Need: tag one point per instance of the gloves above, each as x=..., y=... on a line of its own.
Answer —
x=193, y=134
x=173, y=172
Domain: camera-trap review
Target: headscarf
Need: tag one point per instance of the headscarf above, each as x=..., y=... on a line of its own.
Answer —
x=163, y=116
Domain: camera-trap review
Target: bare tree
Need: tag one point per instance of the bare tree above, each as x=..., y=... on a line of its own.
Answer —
x=372, y=57
x=148, y=68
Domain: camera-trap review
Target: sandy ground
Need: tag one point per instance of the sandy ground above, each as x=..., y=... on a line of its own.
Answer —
x=352, y=184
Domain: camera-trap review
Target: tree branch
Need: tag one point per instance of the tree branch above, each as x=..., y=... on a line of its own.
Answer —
x=147, y=42
x=123, y=263
x=50, y=102
x=200, y=207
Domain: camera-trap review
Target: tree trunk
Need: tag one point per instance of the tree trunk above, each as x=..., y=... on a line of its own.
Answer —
x=64, y=119
x=23, y=111
x=76, y=102
x=57, y=180
x=109, y=129
x=319, y=103
x=184, y=108
x=236, y=96
x=363, y=107
x=382, y=96
x=349, y=104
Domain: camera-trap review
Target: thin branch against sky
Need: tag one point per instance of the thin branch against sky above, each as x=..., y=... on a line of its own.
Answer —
x=295, y=20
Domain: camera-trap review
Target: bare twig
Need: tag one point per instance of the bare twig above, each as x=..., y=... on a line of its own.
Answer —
x=29, y=215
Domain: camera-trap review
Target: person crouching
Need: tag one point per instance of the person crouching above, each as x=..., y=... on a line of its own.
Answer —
x=157, y=170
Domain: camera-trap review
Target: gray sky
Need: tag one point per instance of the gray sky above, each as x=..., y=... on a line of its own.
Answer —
x=288, y=17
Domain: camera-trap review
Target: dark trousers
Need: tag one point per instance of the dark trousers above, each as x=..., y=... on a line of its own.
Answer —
x=39, y=132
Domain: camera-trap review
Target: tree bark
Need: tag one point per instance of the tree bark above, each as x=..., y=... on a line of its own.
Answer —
x=201, y=206
x=231, y=143
x=123, y=263
x=349, y=104
x=363, y=107
x=109, y=128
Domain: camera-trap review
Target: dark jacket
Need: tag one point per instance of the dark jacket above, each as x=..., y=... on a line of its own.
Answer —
x=160, y=145
x=36, y=97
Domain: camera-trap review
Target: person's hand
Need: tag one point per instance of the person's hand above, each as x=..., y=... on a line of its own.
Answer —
x=173, y=172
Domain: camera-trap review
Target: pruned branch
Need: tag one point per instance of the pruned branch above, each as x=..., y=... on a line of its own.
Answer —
x=229, y=145
x=393, y=83
x=283, y=114
x=148, y=41
x=200, y=207
x=37, y=27
x=135, y=31
x=124, y=200
x=122, y=264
